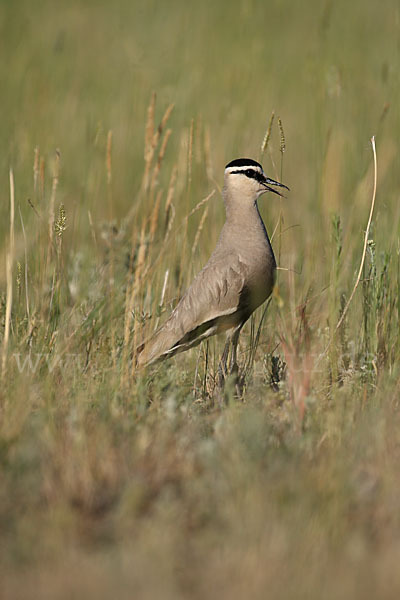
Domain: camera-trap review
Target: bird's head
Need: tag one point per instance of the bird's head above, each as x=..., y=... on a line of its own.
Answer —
x=246, y=177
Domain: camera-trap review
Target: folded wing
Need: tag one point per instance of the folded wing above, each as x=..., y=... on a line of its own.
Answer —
x=216, y=301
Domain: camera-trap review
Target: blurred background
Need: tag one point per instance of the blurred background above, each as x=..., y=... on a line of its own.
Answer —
x=117, y=121
x=73, y=71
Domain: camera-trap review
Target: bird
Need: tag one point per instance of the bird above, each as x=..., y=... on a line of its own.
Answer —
x=238, y=277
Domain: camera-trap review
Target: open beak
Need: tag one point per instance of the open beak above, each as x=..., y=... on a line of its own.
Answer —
x=269, y=181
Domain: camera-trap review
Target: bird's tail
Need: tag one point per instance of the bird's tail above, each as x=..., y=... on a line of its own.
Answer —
x=158, y=346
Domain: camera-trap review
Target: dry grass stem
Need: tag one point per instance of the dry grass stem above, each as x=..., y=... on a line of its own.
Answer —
x=199, y=229
x=170, y=195
x=207, y=154
x=267, y=136
x=9, y=267
x=25, y=267
x=35, y=168
x=364, y=252
x=161, y=154
x=200, y=204
x=154, y=216
x=108, y=157
x=131, y=293
x=282, y=139
x=51, y=222
x=190, y=155
x=152, y=138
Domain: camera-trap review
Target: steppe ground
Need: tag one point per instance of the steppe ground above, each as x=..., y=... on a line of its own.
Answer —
x=117, y=119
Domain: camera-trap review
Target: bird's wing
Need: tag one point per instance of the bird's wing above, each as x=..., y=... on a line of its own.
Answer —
x=215, y=301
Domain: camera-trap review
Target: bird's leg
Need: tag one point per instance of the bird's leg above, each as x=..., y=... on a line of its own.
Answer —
x=222, y=366
x=230, y=345
x=234, y=340
x=234, y=368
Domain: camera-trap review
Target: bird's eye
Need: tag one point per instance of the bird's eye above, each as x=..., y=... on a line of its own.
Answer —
x=249, y=173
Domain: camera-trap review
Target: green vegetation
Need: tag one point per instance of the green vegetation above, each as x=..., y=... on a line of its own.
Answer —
x=153, y=485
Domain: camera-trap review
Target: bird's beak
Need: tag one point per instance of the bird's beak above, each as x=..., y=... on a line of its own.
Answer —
x=267, y=182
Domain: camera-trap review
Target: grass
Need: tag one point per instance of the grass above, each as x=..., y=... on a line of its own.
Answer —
x=145, y=484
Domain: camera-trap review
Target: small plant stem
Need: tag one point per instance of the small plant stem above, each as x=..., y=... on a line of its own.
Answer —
x=360, y=270
x=9, y=265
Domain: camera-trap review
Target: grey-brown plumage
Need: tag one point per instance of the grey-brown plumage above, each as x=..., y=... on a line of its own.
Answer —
x=238, y=277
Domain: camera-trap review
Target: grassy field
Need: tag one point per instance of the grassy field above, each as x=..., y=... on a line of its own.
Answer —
x=117, y=121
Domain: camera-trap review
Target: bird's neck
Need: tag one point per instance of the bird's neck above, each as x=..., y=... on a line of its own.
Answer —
x=243, y=214
x=245, y=226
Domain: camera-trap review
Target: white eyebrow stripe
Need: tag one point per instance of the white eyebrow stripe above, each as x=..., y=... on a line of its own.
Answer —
x=244, y=168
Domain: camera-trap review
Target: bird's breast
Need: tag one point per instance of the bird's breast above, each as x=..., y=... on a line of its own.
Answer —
x=247, y=242
x=261, y=273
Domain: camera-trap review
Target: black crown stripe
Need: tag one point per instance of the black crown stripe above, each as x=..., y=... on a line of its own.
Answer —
x=243, y=162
